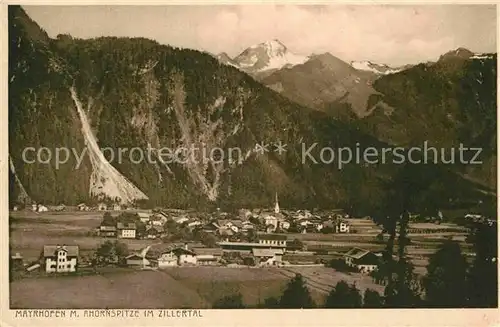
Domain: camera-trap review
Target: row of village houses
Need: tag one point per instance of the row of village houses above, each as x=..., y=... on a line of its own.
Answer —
x=267, y=251
x=222, y=227
x=38, y=207
x=273, y=219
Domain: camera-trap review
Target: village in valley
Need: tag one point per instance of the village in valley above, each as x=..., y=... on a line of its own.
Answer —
x=204, y=250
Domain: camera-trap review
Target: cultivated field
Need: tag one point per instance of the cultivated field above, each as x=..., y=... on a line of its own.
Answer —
x=322, y=279
x=423, y=243
x=177, y=287
x=130, y=289
x=213, y=283
x=30, y=231
x=194, y=287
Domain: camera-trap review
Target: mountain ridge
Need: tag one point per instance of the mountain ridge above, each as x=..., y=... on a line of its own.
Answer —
x=136, y=92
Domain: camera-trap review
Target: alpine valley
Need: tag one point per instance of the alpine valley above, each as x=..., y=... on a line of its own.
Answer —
x=115, y=93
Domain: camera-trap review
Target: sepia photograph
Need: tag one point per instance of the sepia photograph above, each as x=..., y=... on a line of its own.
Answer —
x=192, y=157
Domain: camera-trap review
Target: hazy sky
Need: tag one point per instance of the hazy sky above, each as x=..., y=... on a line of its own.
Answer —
x=387, y=34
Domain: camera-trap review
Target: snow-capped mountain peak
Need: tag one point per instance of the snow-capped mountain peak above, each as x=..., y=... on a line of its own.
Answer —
x=274, y=48
x=265, y=56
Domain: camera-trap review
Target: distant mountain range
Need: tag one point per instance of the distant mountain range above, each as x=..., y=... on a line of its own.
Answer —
x=359, y=93
x=273, y=55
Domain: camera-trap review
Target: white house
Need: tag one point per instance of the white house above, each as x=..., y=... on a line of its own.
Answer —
x=144, y=217
x=181, y=220
x=126, y=230
x=284, y=225
x=246, y=226
x=305, y=223
x=267, y=257
x=194, y=223
x=156, y=221
x=234, y=225
x=184, y=256
x=167, y=259
x=39, y=208
x=60, y=259
x=83, y=207
x=135, y=259
x=273, y=240
x=302, y=214
x=271, y=220
x=207, y=256
x=364, y=260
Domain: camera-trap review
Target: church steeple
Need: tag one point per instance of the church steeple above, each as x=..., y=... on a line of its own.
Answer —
x=276, y=205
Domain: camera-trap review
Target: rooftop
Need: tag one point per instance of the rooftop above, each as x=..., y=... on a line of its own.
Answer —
x=266, y=252
x=207, y=251
x=121, y=225
x=179, y=251
x=50, y=250
x=108, y=228
x=357, y=253
x=134, y=256
x=17, y=256
x=273, y=237
x=250, y=245
x=368, y=259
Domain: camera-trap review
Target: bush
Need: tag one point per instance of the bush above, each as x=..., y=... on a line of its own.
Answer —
x=327, y=230
x=271, y=303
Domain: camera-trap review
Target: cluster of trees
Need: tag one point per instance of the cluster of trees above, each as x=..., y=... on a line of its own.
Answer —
x=179, y=232
x=110, y=253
